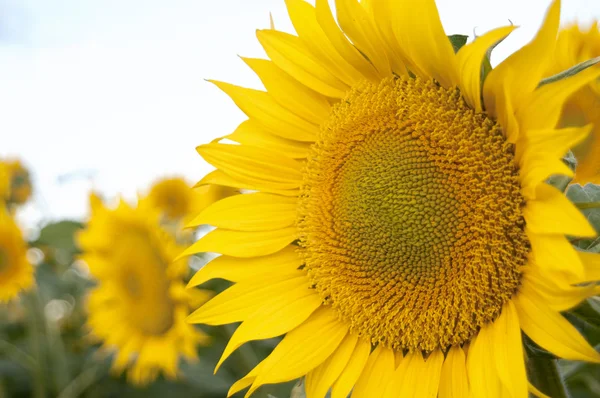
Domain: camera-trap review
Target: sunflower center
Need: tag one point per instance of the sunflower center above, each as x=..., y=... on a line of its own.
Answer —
x=145, y=284
x=410, y=216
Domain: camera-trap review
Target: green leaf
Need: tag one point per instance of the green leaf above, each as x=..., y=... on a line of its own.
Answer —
x=584, y=197
x=458, y=41
x=570, y=72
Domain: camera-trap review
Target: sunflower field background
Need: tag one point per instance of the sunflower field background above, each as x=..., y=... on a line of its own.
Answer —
x=101, y=303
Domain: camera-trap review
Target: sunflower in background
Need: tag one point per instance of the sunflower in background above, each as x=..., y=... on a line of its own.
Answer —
x=16, y=273
x=20, y=188
x=139, y=306
x=177, y=200
x=576, y=45
x=401, y=234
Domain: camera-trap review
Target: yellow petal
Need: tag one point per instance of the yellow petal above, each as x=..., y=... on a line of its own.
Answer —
x=378, y=372
x=219, y=177
x=245, y=381
x=235, y=269
x=303, y=349
x=552, y=213
x=241, y=300
x=555, y=253
x=508, y=351
x=274, y=319
x=250, y=133
x=543, y=109
x=470, y=58
x=360, y=28
x=591, y=265
x=558, y=293
x=422, y=377
x=344, y=384
x=421, y=36
x=260, y=106
x=291, y=54
x=549, y=329
x=341, y=43
x=320, y=379
x=521, y=72
x=255, y=165
x=481, y=366
x=289, y=93
x=537, y=393
x=453, y=380
x=243, y=244
x=250, y=212
x=304, y=19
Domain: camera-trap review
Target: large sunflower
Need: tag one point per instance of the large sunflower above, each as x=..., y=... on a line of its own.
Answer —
x=16, y=273
x=139, y=306
x=400, y=233
x=576, y=45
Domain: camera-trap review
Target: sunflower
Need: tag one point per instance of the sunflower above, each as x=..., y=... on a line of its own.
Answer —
x=400, y=232
x=20, y=182
x=576, y=45
x=16, y=273
x=4, y=182
x=139, y=306
x=177, y=200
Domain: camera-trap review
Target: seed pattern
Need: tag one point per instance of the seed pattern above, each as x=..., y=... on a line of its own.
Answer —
x=410, y=217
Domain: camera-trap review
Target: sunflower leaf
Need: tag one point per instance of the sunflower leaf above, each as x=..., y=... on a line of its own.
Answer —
x=586, y=197
x=458, y=41
x=570, y=72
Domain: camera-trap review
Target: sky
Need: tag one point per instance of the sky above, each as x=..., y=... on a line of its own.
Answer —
x=110, y=95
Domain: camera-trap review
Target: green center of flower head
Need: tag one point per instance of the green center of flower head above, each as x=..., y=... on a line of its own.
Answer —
x=411, y=215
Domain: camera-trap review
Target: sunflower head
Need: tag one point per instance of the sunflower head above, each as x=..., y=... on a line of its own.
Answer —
x=20, y=188
x=138, y=308
x=575, y=45
x=16, y=273
x=400, y=232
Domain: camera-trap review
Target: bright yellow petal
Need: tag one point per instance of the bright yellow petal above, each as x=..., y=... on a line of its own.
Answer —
x=555, y=253
x=303, y=349
x=422, y=377
x=552, y=213
x=243, y=244
x=344, y=384
x=320, y=379
x=250, y=133
x=517, y=77
x=241, y=300
x=508, y=351
x=377, y=373
x=291, y=54
x=245, y=381
x=543, y=109
x=481, y=366
x=549, y=329
x=421, y=36
x=360, y=28
x=289, y=93
x=274, y=319
x=591, y=265
x=341, y=43
x=453, y=380
x=235, y=269
x=470, y=58
x=253, y=164
x=250, y=212
x=219, y=177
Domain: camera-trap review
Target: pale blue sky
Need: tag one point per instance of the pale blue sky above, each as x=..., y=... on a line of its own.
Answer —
x=110, y=94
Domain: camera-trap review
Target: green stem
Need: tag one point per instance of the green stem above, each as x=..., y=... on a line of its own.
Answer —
x=35, y=333
x=80, y=383
x=588, y=205
x=545, y=375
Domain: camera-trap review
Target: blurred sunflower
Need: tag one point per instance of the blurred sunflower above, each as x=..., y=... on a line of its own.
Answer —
x=20, y=181
x=576, y=45
x=4, y=182
x=140, y=304
x=16, y=273
x=177, y=200
x=401, y=234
